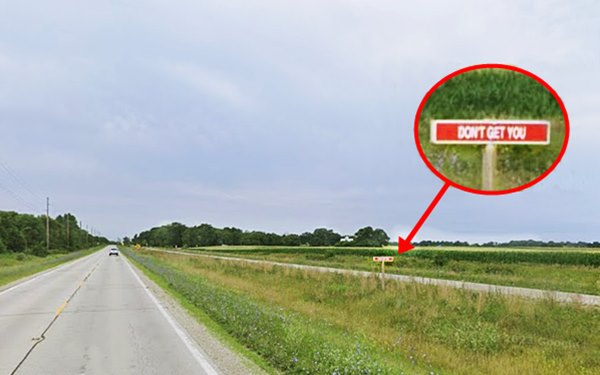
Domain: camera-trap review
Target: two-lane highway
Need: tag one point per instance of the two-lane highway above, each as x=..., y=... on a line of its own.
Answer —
x=92, y=316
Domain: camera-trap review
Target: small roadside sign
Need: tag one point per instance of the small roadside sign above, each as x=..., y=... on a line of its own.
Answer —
x=500, y=132
x=383, y=260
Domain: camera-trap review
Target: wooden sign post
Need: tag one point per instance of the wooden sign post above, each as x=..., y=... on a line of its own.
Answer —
x=383, y=260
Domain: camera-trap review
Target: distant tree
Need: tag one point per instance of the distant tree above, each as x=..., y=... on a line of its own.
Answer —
x=15, y=239
x=324, y=237
x=254, y=238
x=291, y=240
x=207, y=235
x=368, y=236
x=305, y=238
x=175, y=234
x=272, y=239
x=231, y=236
x=24, y=232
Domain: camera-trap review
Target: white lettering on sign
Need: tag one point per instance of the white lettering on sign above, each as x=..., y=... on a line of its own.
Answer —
x=490, y=131
x=470, y=132
x=466, y=132
x=517, y=132
x=495, y=132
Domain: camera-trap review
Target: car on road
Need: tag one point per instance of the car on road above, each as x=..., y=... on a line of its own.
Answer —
x=113, y=251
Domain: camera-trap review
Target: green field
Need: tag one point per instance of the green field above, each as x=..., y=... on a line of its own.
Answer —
x=492, y=94
x=568, y=270
x=14, y=266
x=304, y=322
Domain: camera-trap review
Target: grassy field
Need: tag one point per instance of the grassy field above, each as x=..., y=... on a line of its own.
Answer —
x=303, y=322
x=14, y=266
x=492, y=94
x=568, y=270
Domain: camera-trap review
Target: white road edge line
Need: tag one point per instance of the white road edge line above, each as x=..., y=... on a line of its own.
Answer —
x=46, y=273
x=189, y=343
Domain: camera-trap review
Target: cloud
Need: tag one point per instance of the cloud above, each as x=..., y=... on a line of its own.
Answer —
x=123, y=125
x=210, y=83
x=280, y=116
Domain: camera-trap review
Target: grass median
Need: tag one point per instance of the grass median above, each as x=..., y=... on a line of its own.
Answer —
x=566, y=270
x=15, y=266
x=303, y=322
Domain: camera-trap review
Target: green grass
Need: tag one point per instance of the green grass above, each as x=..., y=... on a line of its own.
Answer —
x=289, y=342
x=492, y=94
x=568, y=270
x=317, y=323
x=198, y=314
x=14, y=266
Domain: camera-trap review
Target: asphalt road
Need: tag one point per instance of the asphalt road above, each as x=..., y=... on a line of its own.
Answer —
x=92, y=316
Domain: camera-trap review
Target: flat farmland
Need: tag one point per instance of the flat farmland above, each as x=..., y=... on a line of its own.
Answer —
x=561, y=269
x=306, y=322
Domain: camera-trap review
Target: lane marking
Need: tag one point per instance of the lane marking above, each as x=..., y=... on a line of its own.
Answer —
x=189, y=343
x=60, y=309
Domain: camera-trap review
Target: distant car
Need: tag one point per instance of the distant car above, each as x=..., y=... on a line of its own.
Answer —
x=113, y=251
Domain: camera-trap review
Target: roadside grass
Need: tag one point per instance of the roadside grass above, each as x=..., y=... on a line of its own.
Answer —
x=566, y=270
x=290, y=342
x=284, y=314
x=197, y=313
x=14, y=266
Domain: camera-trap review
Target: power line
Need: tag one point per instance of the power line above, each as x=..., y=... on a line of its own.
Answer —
x=18, y=198
x=14, y=186
x=18, y=180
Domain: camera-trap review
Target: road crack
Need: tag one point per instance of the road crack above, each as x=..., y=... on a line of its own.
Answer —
x=42, y=337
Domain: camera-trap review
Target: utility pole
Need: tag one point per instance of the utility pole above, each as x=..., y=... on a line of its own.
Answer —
x=47, y=224
x=68, y=238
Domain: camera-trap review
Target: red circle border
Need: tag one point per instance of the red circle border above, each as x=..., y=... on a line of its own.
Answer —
x=492, y=66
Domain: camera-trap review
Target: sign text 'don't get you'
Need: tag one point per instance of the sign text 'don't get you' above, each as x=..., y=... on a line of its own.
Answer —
x=490, y=131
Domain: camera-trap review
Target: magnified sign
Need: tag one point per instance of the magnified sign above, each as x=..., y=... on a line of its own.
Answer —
x=490, y=133
x=489, y=129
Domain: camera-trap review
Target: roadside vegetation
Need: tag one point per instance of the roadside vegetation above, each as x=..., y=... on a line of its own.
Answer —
x=569, y=270
x=14, y=266
x=305, y=322
x=179, y=235
x=25, y=233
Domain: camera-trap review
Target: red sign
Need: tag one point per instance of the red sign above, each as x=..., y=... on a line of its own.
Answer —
x=510, y=132
x=383, y=259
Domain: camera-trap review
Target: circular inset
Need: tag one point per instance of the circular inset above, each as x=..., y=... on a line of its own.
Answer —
x=491, y=129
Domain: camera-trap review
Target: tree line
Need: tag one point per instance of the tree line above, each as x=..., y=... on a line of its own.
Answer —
x=180, y=235
x=27, y=233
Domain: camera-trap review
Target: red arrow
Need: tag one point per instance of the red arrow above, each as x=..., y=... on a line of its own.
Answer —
x=404, y=244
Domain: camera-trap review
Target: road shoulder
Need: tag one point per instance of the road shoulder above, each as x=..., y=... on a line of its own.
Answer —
x=221, y=356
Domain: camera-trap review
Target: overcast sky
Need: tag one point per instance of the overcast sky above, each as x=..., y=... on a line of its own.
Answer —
x=278, y=115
